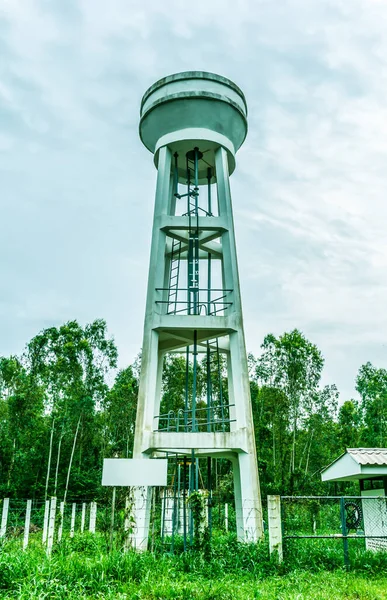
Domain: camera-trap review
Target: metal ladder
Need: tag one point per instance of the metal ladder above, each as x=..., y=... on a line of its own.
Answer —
x=174, y=277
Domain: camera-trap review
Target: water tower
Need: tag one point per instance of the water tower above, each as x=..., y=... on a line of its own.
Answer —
x=194, y=123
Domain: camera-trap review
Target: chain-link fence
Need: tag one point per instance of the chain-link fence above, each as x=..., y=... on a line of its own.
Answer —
x=172, y=519
x=355, y=521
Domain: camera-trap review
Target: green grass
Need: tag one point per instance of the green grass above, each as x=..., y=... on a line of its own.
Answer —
x=83, y=569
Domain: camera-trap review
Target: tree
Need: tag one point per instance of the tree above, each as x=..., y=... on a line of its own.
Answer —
x=21, y=426
x=371, y=383
x=349, y=424
x=292, y=364
x=119, y=414
x=71, y=363
x=270, y=407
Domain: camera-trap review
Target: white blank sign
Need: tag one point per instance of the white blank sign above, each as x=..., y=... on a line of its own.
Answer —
x=134, y=471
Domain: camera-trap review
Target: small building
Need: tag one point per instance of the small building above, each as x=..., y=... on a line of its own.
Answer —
x=369, y=467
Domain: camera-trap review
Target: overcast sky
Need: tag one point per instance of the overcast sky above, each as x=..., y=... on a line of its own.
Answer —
x=309, y=191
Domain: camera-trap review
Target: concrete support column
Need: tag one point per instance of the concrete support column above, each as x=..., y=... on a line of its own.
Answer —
x=152, y=358
x=248, y=506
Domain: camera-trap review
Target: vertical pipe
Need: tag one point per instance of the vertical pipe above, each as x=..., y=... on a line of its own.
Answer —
x=190, y=242
x=27, y=524
x=209, y=382
x=186, y=389
x=220, y=386
x=178, y=497
x=194, y=382
x=196, y=274
x=226, y=517
x=176, y=176
x=209, y=206
x=196, y=235
x=209, y=283
x=209, y=419
x=185, y=503
x=196, y=170
x=191, y=489
x=209, y=488
x=188, y=192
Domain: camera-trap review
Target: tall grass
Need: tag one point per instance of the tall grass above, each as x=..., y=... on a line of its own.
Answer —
x=82, y=568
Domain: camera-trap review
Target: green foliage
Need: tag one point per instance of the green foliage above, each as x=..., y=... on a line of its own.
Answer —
x=60, y=415
x=119, y=415
x=80, y=570
x=49, y=402
x=371, y=383
x=197, y=504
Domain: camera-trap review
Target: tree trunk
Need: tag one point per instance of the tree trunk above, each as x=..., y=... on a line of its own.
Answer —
x=49, y=459
x=12, y=463
x=304, y=450
x=71, y=459
x=57, y=463
x=274, y=450
x=293, y=453
x=307, y=458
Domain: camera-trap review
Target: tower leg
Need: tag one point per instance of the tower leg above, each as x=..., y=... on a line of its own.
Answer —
x=248, y=508
x=142, y=498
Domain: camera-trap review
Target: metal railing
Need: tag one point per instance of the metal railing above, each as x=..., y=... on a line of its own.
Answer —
x=196, y=301
x=216, y=417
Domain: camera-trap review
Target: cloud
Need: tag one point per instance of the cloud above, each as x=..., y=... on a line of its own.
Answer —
x=309, y=190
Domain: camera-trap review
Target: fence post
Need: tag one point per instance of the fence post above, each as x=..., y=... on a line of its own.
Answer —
x=275, y=525
x=83, y=517
x=27, y=524
x=72, y=526
x=60, y=529
x=51, y=525
x=4, y=518
x=112, y=519
x=344, y=532
x=45, y=521
x=93, y=517
x=226, y=516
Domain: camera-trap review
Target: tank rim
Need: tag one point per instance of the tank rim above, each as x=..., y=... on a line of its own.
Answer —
x=199, y=95
x=192, y=75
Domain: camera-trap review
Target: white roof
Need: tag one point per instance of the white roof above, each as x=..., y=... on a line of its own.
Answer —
x=357, y=463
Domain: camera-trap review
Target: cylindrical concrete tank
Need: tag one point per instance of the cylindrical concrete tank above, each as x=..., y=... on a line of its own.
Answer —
x=191, y=109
